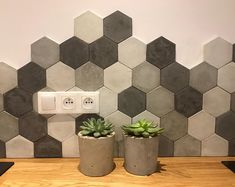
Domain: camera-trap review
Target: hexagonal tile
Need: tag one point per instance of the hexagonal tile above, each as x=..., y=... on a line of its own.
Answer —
x=74, y=52
x=188, y=101
x=234, y=52
x=216, y=101
x=61, y=127
x=214, y=146
x=117, y=77
x=166, y=146
x=103, y=52
x=218, y=52
x=203, y=77
x=225, y=125
x=233, y=101
x=131, y=52
x=18, y=102
x=161, y=52
x=88, y=27
x=175, y=125
x=2, y=149
x=231, y=148
x=175, y=77
x=33, y=126
x=19, y=147
x=47, y=147
x=131, y=101
x=108, y=101
x=1, y=103
x=201, y=125
x=146, y=77
x=89, y=77
x=31, y=77
x=226, y=77
x=148, y=116
x=70, y=147
x=60, y=81
x=117, y=26
x=187, y=146
x=160, y=101
x=45, y=52
x=8, y=78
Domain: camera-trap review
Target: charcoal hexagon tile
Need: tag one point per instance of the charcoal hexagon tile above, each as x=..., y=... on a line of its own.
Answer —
x=146, y=77
x=89, y=77
x=203, y=77
x=117, y=77
x=45, y=52
x=160, y=101
x=216, y=101
x=233, y=101
x=61, y=127
x=161, y=52
x=8, y=78
x=175, y=125
x=70, y=147
x=108, y=101
x=131, y=52
x=60, y=81
x=166, y=147
x=231, y=148
x=225, y=125
x=47, y=147
x=214, y=145
x=201, y=125
x=2, y=149
x=88, y=26
x=18, y=102
x=187, y=146
x=1, y=103
x=148, y=116
x=188, y=101
x=74, y=52
x=103, y=52
x=19, y=147
x=33, y=126
x=234, y=52
x=218, y=52
x=117, y=26
x=226, y=77
x=175, y=77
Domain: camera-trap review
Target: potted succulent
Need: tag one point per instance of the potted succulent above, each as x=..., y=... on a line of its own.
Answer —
x=141, y=147
x=96, y=142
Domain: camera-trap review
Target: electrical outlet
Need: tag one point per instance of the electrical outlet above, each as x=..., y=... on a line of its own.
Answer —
x=68, y=103
x=89, y=102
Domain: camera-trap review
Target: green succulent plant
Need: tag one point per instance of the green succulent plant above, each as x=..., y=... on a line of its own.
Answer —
x=142, y=128
x=96, y=128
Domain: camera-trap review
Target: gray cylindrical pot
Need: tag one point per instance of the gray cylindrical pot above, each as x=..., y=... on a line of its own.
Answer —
x=96, y=155
x=140, y=155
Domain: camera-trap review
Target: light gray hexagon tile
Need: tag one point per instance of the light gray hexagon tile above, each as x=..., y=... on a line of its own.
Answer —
x=214, y=145
x=8, y=77
x=19, y=147
x=61, y=127
x=88, y=27
x=218, y=52
x=117, y=77
x=60, y=77
x=1, y=102
x=131, y=52
x=216, y=101
x=146, y=77
x=89, y=77
x=70, y=147
x=148, y=116
x=201, y=125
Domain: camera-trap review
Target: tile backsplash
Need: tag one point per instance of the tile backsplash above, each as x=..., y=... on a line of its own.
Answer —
x=196, y=107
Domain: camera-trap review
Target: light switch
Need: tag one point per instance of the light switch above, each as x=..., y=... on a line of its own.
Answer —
x=48, y=102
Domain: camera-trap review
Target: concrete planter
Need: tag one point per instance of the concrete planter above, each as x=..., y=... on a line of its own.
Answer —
x=140, y=155
x=96, y=155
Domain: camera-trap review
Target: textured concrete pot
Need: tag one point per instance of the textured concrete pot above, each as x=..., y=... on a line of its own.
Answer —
x=96, y=155
x=140, y=155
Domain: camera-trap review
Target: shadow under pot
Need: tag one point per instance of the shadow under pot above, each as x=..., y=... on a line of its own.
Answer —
x=96, y=155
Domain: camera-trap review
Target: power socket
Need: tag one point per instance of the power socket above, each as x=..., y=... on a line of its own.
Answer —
x=68, y=103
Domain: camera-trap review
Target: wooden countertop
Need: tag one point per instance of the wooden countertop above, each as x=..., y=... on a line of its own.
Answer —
x=175, y=171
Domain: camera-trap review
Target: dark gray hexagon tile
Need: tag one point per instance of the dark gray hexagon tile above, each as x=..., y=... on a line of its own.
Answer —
x=18, y=102
x=161, y=52
x=31, y=77
x=233, y=101
x=74, y=52
x=225, y=125
x=231, y=148
x=47, y=147
x=188, y=101
x=33, y=126
x=1, y=102
x=2, y=149
x=131, y=101
x=103, y=52
x=233, y=52
x=166, y=146
x=117, y=26
x=175, y=77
